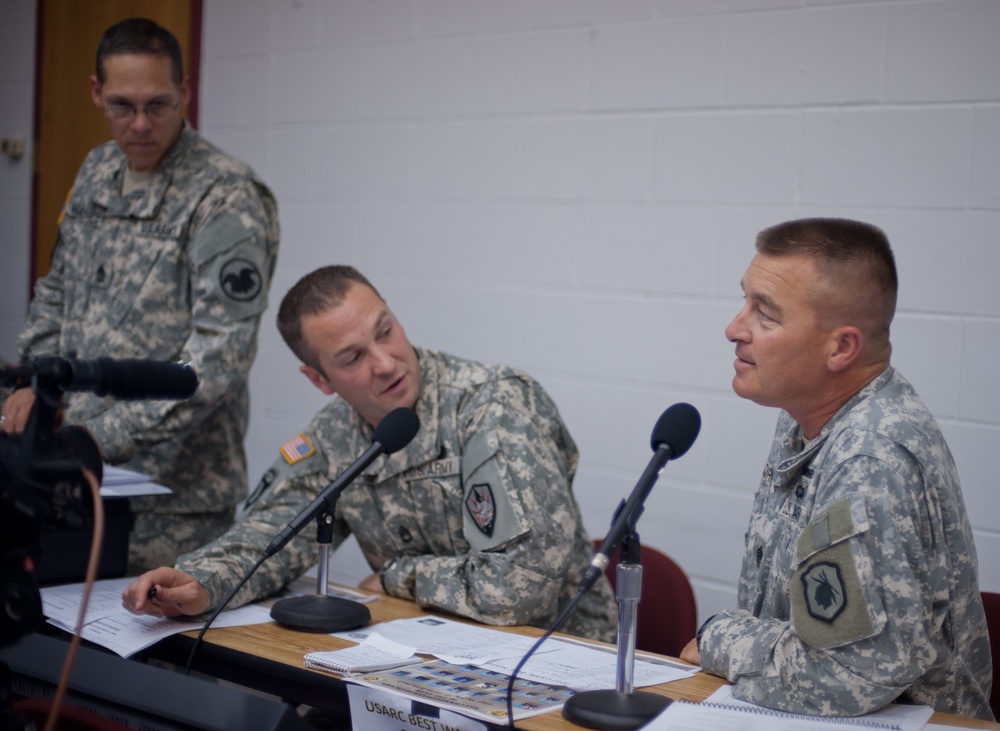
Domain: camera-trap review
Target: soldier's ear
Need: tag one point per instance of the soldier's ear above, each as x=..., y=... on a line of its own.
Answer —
x=95, y=92
x=185, y=93
x=317, y=379
x=846, y=344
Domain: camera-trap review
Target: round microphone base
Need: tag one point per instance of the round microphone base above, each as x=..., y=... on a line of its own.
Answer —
x=320, y=613
x=613, y=711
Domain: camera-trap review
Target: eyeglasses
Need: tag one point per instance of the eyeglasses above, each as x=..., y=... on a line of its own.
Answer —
x=127, y=110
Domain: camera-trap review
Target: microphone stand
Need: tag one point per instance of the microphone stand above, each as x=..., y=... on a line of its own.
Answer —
x=321, y=612
x=621, y=709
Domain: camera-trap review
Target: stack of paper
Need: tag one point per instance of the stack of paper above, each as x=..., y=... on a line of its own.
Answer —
x=474, y=666
x=108, y=624
x=119, y=482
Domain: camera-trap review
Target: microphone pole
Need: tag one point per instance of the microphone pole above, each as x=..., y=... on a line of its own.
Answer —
x=322, y=612
x=394, y=432
x=673, y=435
x=622, y=709
x=627, y=515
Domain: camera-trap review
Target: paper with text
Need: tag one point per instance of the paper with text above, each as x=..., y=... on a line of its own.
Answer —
x=572, y=664
x=110, y=625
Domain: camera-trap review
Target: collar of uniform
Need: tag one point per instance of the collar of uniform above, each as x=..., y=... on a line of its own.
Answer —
x=147, y=205
x=426, y=445
x=794, y=456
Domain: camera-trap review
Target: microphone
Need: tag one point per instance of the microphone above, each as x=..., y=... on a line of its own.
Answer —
x=394, y=432
x=127, y=379
x=324, y=613
x=672, y=437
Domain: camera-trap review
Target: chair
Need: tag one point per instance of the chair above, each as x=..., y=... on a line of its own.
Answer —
x=991, y=603
x=667, y=616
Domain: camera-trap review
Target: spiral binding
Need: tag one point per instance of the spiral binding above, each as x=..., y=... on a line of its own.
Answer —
x=843, y=720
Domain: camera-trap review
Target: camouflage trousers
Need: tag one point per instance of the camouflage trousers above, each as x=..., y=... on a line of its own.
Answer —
x=157, y=539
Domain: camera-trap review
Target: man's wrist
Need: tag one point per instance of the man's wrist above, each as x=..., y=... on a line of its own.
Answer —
x=386, y=568
x=397, y=576
x=701, y=631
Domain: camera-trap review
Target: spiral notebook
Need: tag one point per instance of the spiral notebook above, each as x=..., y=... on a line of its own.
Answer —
x=375, y=654
x=722, y=711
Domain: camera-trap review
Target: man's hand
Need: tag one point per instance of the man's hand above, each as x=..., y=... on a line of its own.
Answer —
x=15, y=411
x=165, y=592
x=373, y=584
x=690, y=653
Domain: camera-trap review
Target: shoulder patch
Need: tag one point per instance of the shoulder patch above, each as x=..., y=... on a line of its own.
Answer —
x=832, y=601
x=824, y=591
x=482, y=508
x=491, y=521
x=297, y=449
x=240, y=280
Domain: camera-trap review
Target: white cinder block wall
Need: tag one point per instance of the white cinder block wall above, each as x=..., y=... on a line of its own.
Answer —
x=17, y=89
x=573, y=187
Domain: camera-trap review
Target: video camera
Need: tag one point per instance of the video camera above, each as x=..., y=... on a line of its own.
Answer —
x=42, y=486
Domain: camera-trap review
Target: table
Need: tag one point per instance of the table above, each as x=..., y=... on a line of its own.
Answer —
x=270, y=657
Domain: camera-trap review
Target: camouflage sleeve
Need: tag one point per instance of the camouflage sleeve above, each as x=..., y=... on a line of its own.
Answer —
x=519, y=515
x=231, y=256
x=282, y=493
x=45, y=315
x=860, y=601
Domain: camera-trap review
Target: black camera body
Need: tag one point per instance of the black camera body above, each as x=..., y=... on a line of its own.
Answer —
x=42, y=493
x=44, y=497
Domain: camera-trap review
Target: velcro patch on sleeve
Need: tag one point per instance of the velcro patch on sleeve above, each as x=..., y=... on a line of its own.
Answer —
x=490, y=521
x=830, y=602
x=297, y=449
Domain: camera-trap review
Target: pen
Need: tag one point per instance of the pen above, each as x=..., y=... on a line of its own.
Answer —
x=151, y=594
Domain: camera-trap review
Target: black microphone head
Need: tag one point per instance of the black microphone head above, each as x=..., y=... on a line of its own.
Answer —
x=132, y=378
x=397, y=429
x=676, y=428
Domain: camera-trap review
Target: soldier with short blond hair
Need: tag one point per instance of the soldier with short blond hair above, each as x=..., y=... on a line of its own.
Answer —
x=860, y=582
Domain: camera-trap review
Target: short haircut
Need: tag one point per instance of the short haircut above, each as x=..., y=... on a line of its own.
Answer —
x=854, y=257
x=140, y=35
x=317, y=292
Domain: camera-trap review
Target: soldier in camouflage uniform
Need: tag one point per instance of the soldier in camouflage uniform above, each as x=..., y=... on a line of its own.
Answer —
x=166, y=250
x=474, y=517
x=859, y=583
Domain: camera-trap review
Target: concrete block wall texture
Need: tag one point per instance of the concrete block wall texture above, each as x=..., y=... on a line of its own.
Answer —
x=17, y=54
x=573, y=187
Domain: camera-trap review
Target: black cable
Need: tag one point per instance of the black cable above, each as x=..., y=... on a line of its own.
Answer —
x=560, y=621
x=393, y=432
x=197, y=641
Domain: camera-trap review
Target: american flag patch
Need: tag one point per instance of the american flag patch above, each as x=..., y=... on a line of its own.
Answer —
x=297, y=449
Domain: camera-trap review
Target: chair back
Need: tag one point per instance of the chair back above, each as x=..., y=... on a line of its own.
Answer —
x=991, y=603
x=667, y=617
